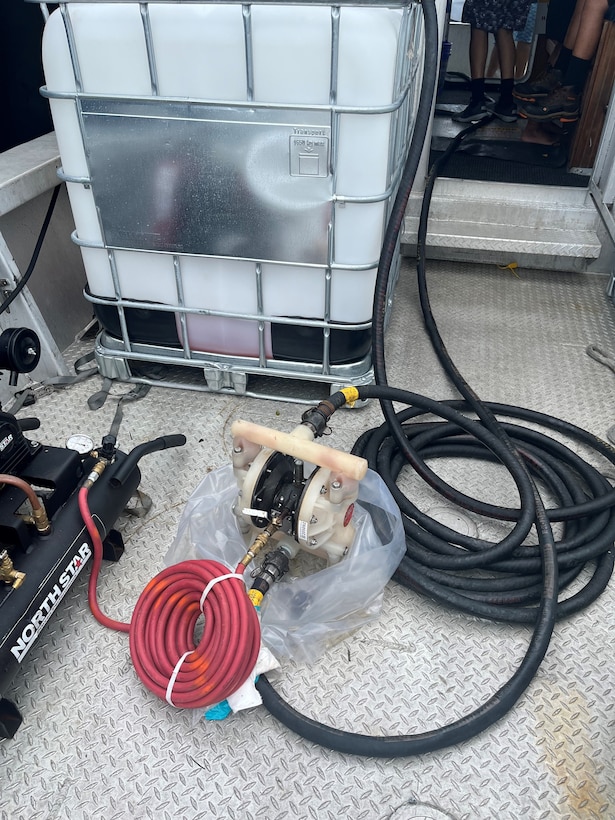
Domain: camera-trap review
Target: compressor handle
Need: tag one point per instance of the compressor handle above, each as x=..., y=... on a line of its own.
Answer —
x=166, y=442
x=130, y=462
x=294, y=445
x=28, y=424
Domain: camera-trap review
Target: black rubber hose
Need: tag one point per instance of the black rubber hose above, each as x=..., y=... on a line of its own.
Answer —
x=443, y=554
x=130, y=462
x=23, y=281
x=505, y=698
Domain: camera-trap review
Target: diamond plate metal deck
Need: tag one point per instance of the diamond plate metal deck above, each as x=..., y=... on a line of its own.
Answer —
x=94, y=743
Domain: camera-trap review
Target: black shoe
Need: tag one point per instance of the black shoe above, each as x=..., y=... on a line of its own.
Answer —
x=506, y=112
x=563, y=105
x=540, y=87
x=474, y=112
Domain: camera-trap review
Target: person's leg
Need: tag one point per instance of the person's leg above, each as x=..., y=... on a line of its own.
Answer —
x=564, y=103
x=583, y=34
x=523, y=42
x=506, y=53
x=522, y=58
x=559, y=17
x=551, y=79
x=589, y=28
x=479, y=43
x=565, y=53
x=493, y=66
x=479, y=46
x=505, y=108
x=476, y=110
x=573, y=25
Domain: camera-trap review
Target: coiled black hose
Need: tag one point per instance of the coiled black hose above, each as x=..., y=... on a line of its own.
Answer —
x=503, y=700
x=496, y=581
x=509, y=580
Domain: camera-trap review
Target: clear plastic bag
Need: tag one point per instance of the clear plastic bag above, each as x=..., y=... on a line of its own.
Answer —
x=302, y=614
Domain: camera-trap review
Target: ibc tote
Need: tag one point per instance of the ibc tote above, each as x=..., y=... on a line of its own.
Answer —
x=230, y=168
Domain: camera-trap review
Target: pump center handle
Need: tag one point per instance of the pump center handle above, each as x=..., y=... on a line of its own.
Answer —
x=296, y=445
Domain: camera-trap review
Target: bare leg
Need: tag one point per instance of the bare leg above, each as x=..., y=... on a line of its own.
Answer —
x=522, y=57
x=476, y=109
x=506, y=53
x=479, y=41
x=494, y=63
x=573, y=26
x=590, y=29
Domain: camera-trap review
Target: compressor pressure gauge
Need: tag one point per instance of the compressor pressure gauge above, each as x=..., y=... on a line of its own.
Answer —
x=80, y=443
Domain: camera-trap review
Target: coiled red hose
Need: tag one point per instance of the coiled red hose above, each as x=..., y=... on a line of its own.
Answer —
x=161, y=631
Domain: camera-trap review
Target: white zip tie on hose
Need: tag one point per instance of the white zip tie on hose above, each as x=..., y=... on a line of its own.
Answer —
x=215, y=581
x=179, y=663
x=173, y=677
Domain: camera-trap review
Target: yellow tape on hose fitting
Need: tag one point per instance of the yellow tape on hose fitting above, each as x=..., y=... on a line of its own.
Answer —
x=351, y=394
x=255, y=596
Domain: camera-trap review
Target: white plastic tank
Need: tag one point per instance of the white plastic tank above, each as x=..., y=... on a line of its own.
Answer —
x=289, y=63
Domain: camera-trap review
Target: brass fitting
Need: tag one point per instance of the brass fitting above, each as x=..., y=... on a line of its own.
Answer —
x=261, y=541
x=8, y=573
x=95, y=473
x=39, y=516
x=41, y=521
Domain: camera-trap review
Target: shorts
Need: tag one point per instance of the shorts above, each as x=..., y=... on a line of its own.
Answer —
x=527, y=34
x=492, y=15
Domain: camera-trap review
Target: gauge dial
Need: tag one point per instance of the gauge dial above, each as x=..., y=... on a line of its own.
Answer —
x=82, y=444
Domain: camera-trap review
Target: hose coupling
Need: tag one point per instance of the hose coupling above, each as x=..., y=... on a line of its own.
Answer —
x=8, y=573
x=274, y=566
x=261, y=541
x=41, y=520
x=96, y=472
x=317, y=418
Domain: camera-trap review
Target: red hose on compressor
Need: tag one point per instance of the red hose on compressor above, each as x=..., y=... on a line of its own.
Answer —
x=161, y=631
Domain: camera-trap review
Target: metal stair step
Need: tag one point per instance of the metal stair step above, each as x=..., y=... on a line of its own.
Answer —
x=517, y=239
x=552, y=229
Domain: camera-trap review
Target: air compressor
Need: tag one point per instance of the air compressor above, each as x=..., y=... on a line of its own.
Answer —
x=44, y=543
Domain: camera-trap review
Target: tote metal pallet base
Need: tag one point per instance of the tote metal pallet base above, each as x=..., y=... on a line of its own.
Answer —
x=146, y=364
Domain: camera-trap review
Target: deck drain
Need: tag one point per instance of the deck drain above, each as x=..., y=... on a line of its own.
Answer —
x=419, y=811
x=454, y=520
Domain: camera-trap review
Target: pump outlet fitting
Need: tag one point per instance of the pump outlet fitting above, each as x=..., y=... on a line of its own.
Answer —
x=275, y=565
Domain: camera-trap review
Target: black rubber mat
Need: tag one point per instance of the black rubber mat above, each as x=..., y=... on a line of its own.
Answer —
x=463, y=165
x=545, y=156
x=488, y=157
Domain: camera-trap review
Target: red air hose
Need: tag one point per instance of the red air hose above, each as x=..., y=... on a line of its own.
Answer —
x=161, y=631
x=97, y=545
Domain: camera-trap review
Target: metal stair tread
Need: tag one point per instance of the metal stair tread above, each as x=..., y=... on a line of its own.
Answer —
x=457, y=233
